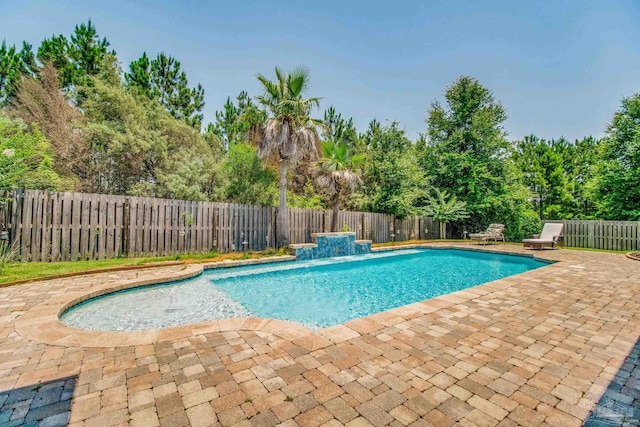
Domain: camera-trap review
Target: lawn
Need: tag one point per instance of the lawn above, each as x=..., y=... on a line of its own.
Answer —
x=34, y=270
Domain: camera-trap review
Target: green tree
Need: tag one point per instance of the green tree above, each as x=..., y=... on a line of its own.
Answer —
x=546, y=167
x=586, y=156
x=14, y=64
x=25, y=158
x=139, y=75
x=616, y=185
x=248, y=182
x=140, y=149
x=445, y=208
x=393, y=181
x=77, y=58
x=337, y=128
x=289, y=134
x=238, y=123
x=54, y=50
x=163, y=79
x=465, y=156
x=87, y=51
x=338, y=174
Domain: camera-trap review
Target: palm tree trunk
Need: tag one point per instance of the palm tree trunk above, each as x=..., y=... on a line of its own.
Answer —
x=334, y=217
x=282, y=220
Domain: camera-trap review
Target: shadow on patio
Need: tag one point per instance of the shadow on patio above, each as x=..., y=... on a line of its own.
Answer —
x=47, y=404
x=620, y=404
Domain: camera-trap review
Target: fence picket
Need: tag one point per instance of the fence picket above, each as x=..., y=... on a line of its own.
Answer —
x=52, y=226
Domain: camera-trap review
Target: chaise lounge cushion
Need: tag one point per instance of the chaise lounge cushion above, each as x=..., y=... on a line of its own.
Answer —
x=550, y=235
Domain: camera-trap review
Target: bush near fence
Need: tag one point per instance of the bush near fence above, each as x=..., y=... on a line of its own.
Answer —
x=56, y=226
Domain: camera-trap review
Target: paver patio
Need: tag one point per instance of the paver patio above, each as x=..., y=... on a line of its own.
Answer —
x=539, y=348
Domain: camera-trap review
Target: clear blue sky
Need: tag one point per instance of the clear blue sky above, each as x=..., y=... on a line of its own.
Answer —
x=559, y=68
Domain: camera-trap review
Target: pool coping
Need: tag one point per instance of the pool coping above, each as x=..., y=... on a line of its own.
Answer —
x=42, y=322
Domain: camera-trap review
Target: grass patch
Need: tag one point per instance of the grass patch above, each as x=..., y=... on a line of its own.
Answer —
x=35, y=270
x=595, y=250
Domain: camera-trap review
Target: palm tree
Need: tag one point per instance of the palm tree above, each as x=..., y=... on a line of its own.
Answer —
x=338, y=174
x=289, y=134
x=445, y=208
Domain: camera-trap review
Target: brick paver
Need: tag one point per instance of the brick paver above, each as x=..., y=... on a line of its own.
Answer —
x=539, y=348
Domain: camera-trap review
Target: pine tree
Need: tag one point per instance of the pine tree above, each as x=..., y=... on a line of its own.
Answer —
x=14, y=64
x=163, y=79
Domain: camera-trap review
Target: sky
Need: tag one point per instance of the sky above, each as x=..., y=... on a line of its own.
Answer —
x=559, y=68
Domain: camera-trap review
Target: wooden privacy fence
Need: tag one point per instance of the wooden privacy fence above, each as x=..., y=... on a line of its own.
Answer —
x=56, y=226
x=608, y=235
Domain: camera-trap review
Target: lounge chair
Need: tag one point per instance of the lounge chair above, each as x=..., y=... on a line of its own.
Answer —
x=495, y=232
x=550, y=236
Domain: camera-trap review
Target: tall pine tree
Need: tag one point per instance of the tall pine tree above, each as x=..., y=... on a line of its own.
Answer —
x=163, y=79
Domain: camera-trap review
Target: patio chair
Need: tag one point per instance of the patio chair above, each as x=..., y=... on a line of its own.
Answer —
x=550, y=236
x=495, y=232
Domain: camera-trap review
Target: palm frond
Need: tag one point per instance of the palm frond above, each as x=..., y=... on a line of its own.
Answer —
x=444, y=207
x=290, y=131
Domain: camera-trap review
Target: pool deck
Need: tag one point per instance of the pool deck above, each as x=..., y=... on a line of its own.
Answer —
x=554, y=346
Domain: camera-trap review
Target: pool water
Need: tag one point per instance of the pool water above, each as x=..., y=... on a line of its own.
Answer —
x=317, y=293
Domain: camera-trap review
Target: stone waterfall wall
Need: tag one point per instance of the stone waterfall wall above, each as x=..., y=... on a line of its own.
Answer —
x=331, y=245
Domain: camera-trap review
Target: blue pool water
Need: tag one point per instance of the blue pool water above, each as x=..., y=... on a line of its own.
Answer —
x=317, y=293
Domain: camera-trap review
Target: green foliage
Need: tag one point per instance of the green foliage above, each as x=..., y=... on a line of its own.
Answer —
x=163, y=79
x=308, y=198
x=339, y=171
x=237, y=123
x=13, y=65
x=55, y=51
x=393, y=181
x=339, y=174
x=77, y=58
x=465, y=156
x=543, y=166
x=525, y=225
x=583, y=161
x=87, y=51
x=140, y=149
x=25, y=158
x=247, y=181
x=616, y=185
x=92, y=131
x=339, y=130
x=444, y=207
x=470, y=123
x=139, y=75
x=290, y=133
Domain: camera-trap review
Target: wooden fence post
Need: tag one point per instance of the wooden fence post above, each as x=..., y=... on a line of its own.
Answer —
x=126, y=219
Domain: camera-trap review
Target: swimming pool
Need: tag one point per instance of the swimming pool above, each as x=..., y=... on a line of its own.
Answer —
x=317, y=293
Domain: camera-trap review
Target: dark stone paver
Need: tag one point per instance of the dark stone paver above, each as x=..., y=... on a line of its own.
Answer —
x=44, y=405
x=620, y=404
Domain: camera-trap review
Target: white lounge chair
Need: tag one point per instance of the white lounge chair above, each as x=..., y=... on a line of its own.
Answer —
x=550, y=236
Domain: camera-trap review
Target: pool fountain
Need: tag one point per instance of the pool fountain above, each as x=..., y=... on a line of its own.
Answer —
x=328, y=245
